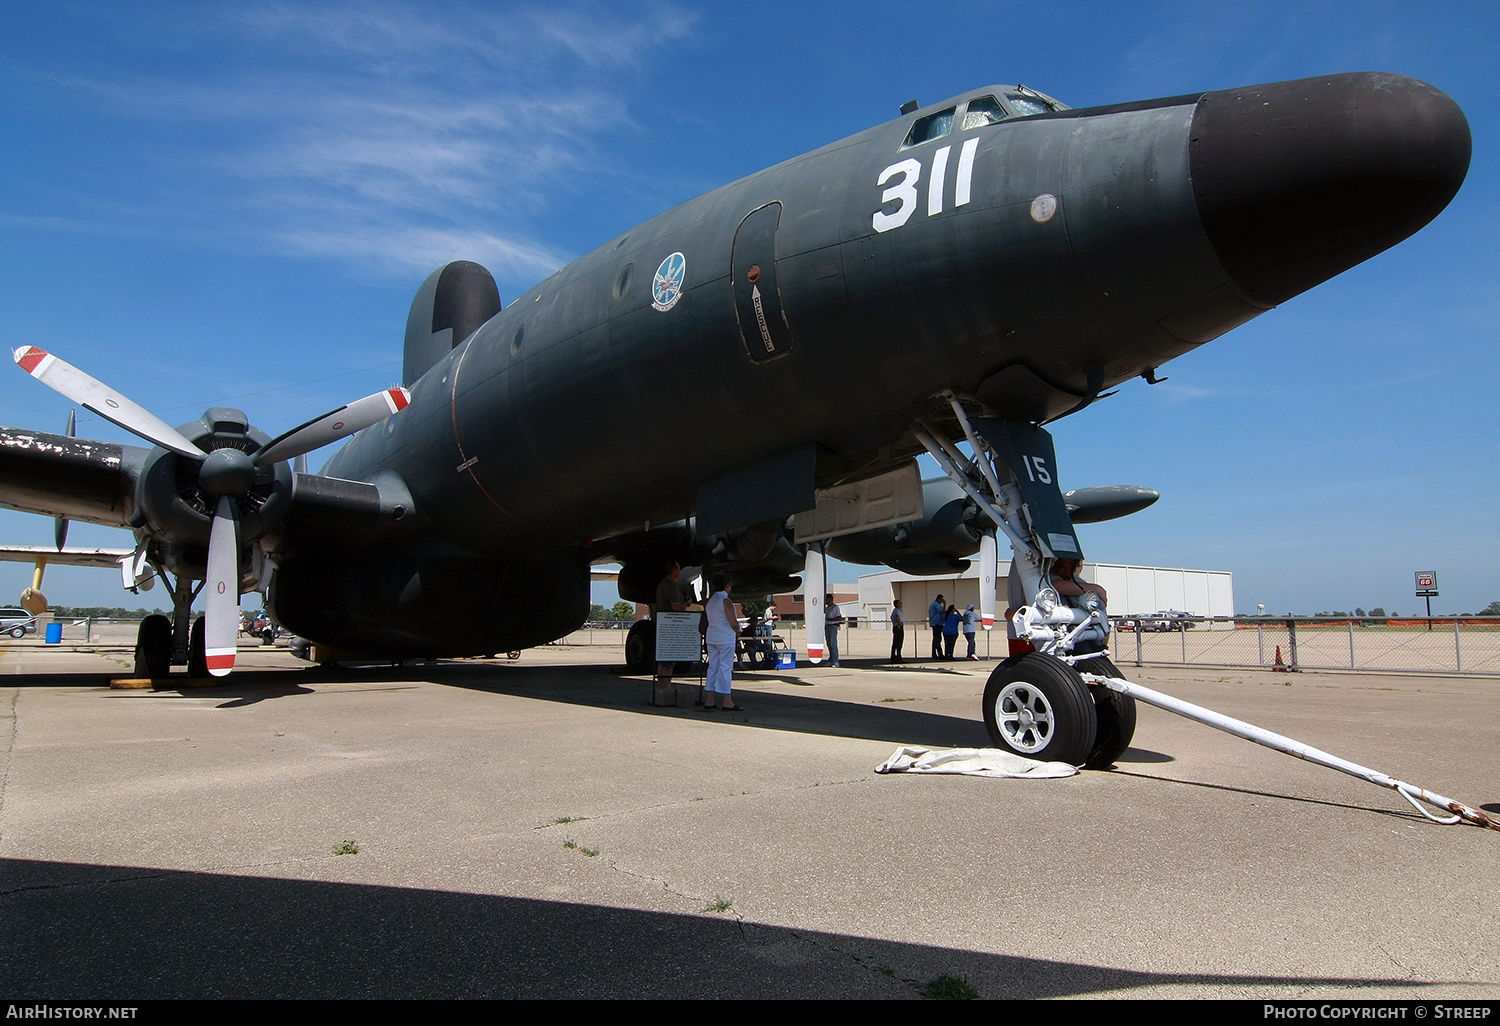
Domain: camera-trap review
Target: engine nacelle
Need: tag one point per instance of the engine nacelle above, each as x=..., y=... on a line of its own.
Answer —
x=170, y=497
x=404, y=606
x=939, y=543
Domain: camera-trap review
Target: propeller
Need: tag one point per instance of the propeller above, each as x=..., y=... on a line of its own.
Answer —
x=60, y=524
x=223, y=473
x=989, y=575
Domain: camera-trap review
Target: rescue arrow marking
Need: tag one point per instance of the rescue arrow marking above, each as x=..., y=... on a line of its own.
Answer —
x=760, y=318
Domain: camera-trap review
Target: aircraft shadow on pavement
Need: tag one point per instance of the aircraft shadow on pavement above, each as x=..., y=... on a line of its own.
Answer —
x=802, y=713
x=594, y=685
x=72, y=931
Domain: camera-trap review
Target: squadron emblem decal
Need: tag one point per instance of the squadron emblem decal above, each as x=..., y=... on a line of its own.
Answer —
x=666, y=285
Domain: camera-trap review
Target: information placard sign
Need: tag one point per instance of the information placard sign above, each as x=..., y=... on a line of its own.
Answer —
x=677, y=637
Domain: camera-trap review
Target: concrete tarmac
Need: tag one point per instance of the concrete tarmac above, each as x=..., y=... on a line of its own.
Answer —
x=535, y=829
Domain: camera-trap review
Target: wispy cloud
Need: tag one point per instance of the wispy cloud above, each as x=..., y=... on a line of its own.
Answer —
x=1182, y=393
x=376, y=134
x=404, y=250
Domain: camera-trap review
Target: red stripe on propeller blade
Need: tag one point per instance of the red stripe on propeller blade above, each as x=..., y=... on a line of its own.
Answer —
x=29, y=356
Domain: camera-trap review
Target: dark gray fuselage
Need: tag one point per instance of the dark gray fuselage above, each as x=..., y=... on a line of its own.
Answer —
x=1025, y=265
x=608, y=412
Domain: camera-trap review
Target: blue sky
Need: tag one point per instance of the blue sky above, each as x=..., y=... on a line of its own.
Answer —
x=234, y=204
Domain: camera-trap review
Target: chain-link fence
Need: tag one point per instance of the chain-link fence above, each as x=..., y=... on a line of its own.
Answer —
x=1447, y=645
x=1467, y=645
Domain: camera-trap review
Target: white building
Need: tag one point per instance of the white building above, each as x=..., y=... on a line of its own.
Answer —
x=1133, y=591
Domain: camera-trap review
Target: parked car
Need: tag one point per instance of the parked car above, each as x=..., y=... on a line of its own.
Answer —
x=1169, y=620
x=16, y=622
x=260, y=625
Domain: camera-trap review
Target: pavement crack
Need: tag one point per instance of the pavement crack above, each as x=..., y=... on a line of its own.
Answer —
x=1410, y=972
x=869, y=963
x=81, y=883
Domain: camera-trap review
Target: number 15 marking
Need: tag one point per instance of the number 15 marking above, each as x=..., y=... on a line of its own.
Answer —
x=1040, y=466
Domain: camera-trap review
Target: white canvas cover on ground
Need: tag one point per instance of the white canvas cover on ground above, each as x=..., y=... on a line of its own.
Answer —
x=972, y=762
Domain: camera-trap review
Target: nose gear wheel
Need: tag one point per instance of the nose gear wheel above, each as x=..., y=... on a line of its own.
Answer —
x=1039, y=707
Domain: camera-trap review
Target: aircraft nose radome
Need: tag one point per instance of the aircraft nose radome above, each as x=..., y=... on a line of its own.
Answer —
x=1298, y=181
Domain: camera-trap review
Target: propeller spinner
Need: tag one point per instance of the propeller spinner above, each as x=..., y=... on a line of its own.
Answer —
x=224, y=474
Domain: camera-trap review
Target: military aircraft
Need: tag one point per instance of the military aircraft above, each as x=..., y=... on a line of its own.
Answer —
x=955, y=277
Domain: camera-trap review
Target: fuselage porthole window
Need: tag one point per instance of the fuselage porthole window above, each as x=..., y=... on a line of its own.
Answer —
x=933, y=126
x=624, y=280
x=981, y=111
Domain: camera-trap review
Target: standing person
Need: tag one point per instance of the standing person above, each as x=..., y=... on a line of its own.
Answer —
x=723, y=628
x=935, y=621
x=969, y=630
x=833, y=619
x=951, y=621
x=669, y=598
x=898, y=631
x=1067, y=583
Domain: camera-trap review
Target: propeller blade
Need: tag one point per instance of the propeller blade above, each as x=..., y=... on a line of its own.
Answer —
x=61, y=523
x=94, y=395
x=222, y=607
x=330, y=427
x=812, y=603
x=989, y=574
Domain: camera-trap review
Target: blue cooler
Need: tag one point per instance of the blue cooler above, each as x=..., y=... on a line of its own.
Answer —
x=54, y=633
x=786, y=659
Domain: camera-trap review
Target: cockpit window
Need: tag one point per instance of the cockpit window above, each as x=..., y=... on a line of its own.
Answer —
x=933, y=126
x=1025, y=106
x=983, y=110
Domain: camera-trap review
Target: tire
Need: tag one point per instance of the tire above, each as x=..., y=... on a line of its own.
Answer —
x=640, y=647
x=17, y=632
x=197, y=649
x=1115, y=713
x=1038, y=707
x=153, y=647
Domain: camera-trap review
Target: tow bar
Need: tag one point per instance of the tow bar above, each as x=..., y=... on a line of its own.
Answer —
x=1281, y=743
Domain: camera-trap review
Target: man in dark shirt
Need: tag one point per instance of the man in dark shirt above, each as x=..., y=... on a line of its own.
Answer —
x=669, y=598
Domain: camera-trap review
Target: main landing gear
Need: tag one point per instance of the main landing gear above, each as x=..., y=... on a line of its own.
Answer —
x=640, y=647
x=164, y=642
x=153, y=648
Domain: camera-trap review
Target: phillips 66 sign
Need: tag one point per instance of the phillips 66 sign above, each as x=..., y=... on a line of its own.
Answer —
x=1426, y=583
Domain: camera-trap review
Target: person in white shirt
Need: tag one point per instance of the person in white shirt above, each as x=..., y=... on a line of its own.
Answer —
x=723, y=629
x=898, y=631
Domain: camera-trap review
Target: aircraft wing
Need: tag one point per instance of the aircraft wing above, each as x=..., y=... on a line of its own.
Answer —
x=73, y=478
x=67, y=557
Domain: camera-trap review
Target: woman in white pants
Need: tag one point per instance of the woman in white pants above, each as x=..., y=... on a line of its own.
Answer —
x=723, y=629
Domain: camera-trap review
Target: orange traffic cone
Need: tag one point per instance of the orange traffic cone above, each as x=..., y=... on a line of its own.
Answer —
x=1280, y=666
